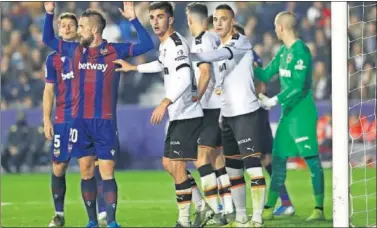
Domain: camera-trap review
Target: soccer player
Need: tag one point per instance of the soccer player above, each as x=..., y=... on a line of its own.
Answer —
x=59, y=75
x=94, y=130
x=296, y=132
x=213, y=181
x=286, y=207
x=185, y=115
x=240, y=114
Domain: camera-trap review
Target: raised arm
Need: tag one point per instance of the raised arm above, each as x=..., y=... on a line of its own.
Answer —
x=48, y=33
x=145, y=43
x=63, y=47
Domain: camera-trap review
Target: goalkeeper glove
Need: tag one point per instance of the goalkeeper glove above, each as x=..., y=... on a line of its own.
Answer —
x=266, y=102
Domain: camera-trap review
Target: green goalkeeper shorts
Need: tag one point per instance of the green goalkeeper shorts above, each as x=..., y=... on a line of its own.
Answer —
x=296, y=136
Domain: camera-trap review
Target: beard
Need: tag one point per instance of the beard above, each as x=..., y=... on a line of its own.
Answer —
x=86, y=41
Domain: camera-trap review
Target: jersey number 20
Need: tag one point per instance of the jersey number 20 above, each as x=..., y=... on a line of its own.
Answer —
x=73, y=135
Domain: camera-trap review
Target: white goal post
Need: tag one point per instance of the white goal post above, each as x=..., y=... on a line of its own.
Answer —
x=340, y=164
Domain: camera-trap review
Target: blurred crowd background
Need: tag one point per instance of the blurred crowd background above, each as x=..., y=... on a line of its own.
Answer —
x=23, y=54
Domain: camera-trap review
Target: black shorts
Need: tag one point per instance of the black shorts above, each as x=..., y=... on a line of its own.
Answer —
x=241, y=135
x=181, y=142
x=211, y=132
x=267, y=138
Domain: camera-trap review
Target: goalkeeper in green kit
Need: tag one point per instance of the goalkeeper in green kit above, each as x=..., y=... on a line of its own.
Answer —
x=296, y=132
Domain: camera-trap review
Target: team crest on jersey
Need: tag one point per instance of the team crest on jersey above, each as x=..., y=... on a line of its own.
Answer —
x=289, y=58
x=104, y=51
x=180, y=55
x=56, y=152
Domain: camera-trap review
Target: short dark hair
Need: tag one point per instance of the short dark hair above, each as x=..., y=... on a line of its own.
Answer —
x=68, y=15
x=239, y=29
x=98, y=16
x=198, y=8
x=225, y=7
x=210, y=21
x=166, y=6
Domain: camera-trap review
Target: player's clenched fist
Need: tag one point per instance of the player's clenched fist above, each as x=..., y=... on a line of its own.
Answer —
x=128, y=10
x=48, y=129
x=50, y=7
x=124, y=66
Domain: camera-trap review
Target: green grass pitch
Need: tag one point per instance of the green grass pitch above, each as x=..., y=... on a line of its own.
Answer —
x=147, y=199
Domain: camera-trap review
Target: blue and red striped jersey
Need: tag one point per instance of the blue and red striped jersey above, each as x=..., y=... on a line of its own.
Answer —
x=59, y=71
x=94, y=93
x=96, y=87
x=98, y=82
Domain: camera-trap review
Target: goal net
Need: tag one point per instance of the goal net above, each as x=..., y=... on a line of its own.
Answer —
x=362, y=63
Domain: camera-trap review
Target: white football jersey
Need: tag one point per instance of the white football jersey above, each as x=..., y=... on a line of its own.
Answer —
x=174, y=55
x=236, y=80
x=205, y=42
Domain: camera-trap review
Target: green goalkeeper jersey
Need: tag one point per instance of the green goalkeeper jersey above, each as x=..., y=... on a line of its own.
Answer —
x=294, y=66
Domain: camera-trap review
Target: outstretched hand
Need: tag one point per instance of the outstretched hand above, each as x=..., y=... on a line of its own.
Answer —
x=124, y=66
x=128, y=10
